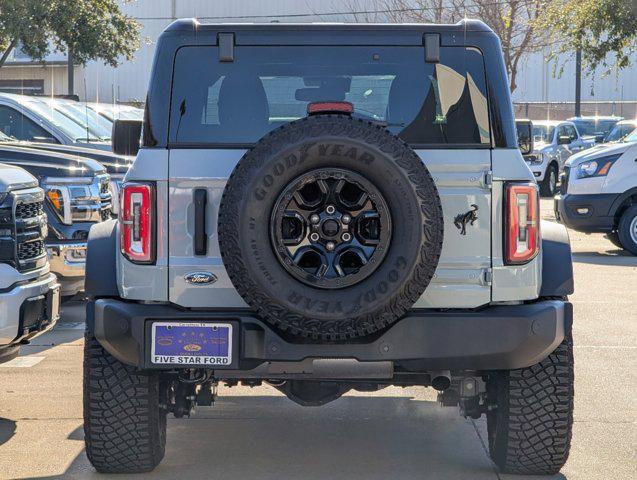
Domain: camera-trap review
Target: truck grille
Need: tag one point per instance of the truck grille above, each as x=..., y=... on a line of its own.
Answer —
x=29, y=210
x=30, y=250
x=22, y=230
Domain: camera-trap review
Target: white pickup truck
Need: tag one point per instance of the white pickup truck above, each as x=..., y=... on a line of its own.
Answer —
x=29, y=293
x=554, y=142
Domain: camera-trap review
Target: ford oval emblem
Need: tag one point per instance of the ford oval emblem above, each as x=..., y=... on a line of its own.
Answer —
x=200, y=278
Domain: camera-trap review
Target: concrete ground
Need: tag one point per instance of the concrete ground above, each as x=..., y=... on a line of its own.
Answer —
x=395, y=434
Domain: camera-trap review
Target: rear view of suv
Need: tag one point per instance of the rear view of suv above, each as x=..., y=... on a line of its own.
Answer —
x=326, y=208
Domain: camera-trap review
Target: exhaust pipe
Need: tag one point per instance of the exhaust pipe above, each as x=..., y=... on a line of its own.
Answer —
x=441, y=380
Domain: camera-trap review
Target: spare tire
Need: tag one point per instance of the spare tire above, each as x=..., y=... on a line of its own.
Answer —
x=330, y=228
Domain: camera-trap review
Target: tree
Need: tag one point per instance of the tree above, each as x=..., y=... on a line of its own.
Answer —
x=599, y=28
x=514, y=21
x=89, y=29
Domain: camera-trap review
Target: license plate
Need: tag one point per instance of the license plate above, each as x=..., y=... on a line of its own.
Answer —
x=191, y=343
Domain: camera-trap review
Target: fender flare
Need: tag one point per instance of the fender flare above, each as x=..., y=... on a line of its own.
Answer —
x=619, y=201
x=557, y=263
x=101, y=261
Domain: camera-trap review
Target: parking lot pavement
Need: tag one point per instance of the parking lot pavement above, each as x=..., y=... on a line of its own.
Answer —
x=394, y=434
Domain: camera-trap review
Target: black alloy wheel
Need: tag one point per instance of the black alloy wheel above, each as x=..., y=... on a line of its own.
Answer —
x=331, y=228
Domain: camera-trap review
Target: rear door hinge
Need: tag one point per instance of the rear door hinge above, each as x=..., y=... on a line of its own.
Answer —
x=487, y=276
x=488, y=179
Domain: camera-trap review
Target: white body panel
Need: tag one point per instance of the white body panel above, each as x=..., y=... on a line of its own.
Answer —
x=461, y=277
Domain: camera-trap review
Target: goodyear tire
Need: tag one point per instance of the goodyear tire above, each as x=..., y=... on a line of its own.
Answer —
x=124, y=425
x=330, y=228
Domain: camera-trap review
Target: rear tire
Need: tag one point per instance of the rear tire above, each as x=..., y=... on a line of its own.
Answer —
x=530, y=427
x=627, y=229
x=124, y=426
x=548, y=186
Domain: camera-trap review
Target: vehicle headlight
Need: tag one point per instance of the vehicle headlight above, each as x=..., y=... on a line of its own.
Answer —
x=65, y=197
x=535, y=159
x=596, y=168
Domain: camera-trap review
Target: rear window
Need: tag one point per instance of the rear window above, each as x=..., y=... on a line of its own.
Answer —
x=236, y=103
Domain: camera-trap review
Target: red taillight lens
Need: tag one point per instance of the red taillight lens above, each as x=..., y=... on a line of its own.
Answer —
x=522, y=223
x=136, y=222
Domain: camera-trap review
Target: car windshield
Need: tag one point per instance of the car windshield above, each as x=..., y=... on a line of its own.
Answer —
x=87, y=118
x=619, y=131
x=543, y=133
x=70, y=128
x=6, y=138
x=631, y=137
x=592, y=127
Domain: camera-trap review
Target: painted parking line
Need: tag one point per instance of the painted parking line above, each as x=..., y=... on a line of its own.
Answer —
x=71, y=326
x=22, y=362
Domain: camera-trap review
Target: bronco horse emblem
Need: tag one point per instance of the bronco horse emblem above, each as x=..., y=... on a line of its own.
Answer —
x=462, y=219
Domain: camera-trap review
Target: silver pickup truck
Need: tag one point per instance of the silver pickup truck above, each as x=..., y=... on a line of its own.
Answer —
x=554, y=143
x=29, y=293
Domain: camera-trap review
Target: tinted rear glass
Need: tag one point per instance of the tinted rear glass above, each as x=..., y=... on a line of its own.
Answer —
x=238, y=102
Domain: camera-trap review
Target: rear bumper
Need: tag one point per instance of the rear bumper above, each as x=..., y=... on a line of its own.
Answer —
x=497, y=337
x=28, y=310
x=585, y=213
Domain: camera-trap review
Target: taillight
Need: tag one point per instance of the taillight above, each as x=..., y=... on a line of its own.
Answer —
x=136, y=222
x=522, y=223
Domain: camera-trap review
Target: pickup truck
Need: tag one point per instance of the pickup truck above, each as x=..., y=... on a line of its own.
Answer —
x=29, y=292
x=77, y=196
x=554, y=142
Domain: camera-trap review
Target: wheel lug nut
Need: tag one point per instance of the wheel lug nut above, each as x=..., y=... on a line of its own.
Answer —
x=314, y=218
x=314, y=237
x=346, y=219
x=330, y=246
x=346, y=237
x=330, y=209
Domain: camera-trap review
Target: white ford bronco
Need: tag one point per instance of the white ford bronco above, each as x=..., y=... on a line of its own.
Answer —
x=325, y=208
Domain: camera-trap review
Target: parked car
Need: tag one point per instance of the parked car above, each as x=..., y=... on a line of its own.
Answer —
x=318, y=238
x=112, y=112
x=599, y=193
x=596, y=127
x=554, y=142
x=29, y=292
x=116, y=165
x=34, y=119
x=77, y=196
x=622, y=129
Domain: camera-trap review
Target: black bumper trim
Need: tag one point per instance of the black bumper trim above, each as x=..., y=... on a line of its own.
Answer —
x=598, y=218
x=497, y=337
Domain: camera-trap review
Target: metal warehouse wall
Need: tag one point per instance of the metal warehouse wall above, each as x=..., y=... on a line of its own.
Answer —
x=128, y=82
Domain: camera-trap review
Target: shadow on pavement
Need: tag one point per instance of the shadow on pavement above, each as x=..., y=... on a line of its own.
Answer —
x=7, y=430
x=268, y=437
x=611, y=258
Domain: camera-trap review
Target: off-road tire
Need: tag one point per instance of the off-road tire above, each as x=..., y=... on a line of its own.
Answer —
x=548, y=188
x=356, y=310
x=531, y=416
x=124, y=426
x=627, y=239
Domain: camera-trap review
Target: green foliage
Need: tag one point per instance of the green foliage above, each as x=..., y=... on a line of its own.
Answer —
x=602, y=29
x=92, y=29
